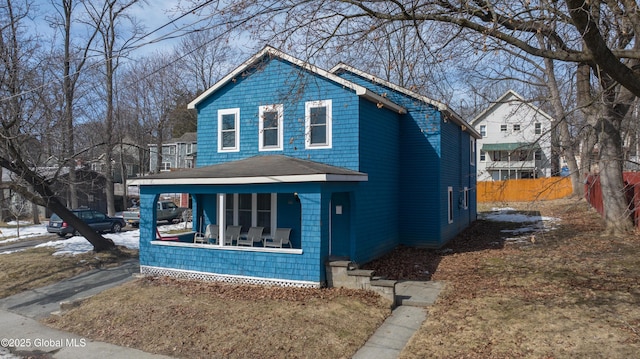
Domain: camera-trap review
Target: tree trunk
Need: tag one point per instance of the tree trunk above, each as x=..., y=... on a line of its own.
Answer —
x=36, y=213
x=67, y=88
x=99, y=242
x=562, y=129
x=46, y=197
x=606, y=122
x=616, y=208
x=123, y=177
x=3, y=214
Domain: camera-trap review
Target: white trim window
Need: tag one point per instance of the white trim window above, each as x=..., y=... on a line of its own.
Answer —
x=537, y=128
x=271, y=121
x=229, y=130
x=466, y=198
x=483, y=130
x=166, y=166
x=483, y=156
x=472, y=153
x=317, y=123
x=450, y=205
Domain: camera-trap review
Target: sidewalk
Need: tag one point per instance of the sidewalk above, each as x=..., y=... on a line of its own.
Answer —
x=395, y=332
x=19, y=316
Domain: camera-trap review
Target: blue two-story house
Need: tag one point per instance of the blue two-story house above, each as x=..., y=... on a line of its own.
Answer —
x=351, y=165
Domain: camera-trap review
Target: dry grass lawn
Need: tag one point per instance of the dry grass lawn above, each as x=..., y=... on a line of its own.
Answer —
x=37, y=267
x=191, y=319
x=566, y=293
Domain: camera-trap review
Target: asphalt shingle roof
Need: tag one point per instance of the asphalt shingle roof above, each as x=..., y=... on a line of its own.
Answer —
x=258, y=166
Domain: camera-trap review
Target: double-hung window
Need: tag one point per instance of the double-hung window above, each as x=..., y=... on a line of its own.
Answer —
x=229, y=130
x=538, y=128
x=318, y=124
x=270, y=136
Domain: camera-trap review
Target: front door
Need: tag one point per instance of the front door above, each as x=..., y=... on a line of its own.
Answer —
x=340, y=240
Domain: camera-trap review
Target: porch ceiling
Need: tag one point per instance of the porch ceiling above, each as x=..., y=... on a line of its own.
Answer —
x=253, y=170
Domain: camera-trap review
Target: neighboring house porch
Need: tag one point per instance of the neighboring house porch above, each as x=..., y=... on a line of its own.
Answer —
x=514, y=160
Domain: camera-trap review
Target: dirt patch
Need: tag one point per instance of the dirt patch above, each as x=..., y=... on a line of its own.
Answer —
x=563, y=293
x=37, y=267
x=191, y=319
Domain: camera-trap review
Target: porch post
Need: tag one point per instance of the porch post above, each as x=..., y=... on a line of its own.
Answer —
x=315, y=231
x=148, y=224
x=221, y=216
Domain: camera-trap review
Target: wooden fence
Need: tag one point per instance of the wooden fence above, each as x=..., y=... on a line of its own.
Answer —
x=522, y=190
x=593, y=194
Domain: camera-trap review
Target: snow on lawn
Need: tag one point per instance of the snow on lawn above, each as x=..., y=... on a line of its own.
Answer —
x=78, y=244
x=27, y=230
x=531, y=223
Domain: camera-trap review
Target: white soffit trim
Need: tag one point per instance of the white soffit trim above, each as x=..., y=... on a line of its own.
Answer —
x=247, y=180
x=359, y=90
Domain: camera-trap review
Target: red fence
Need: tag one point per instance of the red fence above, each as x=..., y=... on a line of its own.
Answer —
x=593, y=193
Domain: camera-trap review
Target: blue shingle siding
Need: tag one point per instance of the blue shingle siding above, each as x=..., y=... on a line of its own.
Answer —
x=411, y=160
x=278, y=83
x=457, y=173
x=377, y=215
x=312, y=212
x=421, y=204
x=434, y=155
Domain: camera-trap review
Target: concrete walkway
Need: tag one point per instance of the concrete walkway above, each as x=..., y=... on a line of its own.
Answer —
x=19, y=316
x=393, y=335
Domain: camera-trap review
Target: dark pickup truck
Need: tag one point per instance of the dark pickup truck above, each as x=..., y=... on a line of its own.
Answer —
x=166, y=211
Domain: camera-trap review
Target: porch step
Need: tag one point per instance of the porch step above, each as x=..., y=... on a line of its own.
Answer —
x=346, y=274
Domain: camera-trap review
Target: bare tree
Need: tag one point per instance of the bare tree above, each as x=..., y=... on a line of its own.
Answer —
x=158, y=88
x=19, y=114
x=205, y=57
x=106, y=19
x=73, y=64
x=597, y=35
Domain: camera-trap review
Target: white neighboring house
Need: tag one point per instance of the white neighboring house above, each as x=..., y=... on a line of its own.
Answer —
x=516, y=140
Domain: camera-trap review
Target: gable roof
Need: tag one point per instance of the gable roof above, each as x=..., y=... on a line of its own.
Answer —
x=439, y=105
x=254, y=170
x=506, y=99
x=272, y=52
x=187, y=137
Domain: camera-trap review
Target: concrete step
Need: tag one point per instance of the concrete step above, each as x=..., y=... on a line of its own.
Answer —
x=418, y=293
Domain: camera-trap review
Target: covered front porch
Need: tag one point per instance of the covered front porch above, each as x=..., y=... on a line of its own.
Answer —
x=313, y=202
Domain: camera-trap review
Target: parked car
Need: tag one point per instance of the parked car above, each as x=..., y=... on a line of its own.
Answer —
x=97, y=220
x=165, y=211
